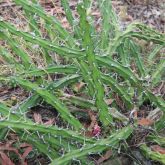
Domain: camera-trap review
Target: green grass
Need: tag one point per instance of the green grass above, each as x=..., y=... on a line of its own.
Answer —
x=83, y=60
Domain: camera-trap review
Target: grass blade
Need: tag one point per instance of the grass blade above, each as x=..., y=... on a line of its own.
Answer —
x=160, y=124
x=157, y=139
x=9, y=59
x=7, y=56
x=5, y=111
x=124, y=52
x=41, y=147
x=148, y=34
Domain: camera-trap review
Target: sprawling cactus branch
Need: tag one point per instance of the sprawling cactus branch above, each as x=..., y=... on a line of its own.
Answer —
x=110, y=75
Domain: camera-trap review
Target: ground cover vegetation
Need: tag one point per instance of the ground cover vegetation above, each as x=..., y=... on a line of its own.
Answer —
x=96, y=81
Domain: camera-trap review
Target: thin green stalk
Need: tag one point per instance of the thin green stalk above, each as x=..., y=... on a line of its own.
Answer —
x=159, y=102
x=10, y=59
x=157, y=139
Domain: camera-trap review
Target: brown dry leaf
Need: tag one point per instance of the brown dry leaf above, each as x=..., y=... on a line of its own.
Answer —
x=4, y=159
x=46, y=2
x=119, y=101
x=123, y=13
x=116, y=3
x=2, y=61
x=143, y=2
x=14, y=98
x=50, y=122
x=37, y=118
x=107, y=155
x=90, y=127
x=28, y=149
x=129, y=18
x=145, y=122
x=109, y=101
x=65, y=23
x=159, y=149
x=7, y=147
x=78, y=86
x=57, y=10
x=94, y=128
x=133, y=67
x=96, y=13
x=14, y=137
x=88, y=133
x=2, y=93
x=135, y=114
x=93, y=119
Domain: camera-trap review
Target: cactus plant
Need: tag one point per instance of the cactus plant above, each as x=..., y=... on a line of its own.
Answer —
x=82, y=59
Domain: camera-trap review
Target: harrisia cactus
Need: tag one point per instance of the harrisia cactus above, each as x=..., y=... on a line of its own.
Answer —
x=52, y=22
x=103, y=144
x=15, y=47
x=51, y=99
x=156, y=156
x=108, y=62
x=91, y=66
x=42, y=42
x=45, y=129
